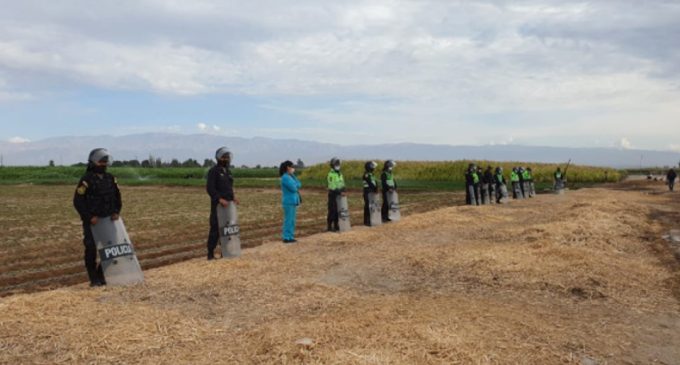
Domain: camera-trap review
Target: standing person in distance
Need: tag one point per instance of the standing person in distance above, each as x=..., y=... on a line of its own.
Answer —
x=370, y=186
x=336, y=187
x=220, y=187
x=515, y=181
x=290, y=188
x=471, y=182
x=500, y=182
x=670, y=178
x=530, y=182
x=97, y=195
x=389, y=184
x=559, y=179
x=489, y=183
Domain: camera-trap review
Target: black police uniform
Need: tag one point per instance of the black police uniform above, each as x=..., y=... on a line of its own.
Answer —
x=369, y=187
x=469, y=183
x=488, y=181
x=220, y=186
x=385, y=211
x=521, y=183
x=97, y=195
x=670, y=177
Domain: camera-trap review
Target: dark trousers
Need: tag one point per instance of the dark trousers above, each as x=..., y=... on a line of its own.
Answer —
x=94, y=271
x=332, y=218
x=385, y=211
x=214, y=233
x=367, y=208
x=671, y=184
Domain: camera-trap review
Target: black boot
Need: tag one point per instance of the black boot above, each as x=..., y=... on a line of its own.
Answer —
x=100, y=275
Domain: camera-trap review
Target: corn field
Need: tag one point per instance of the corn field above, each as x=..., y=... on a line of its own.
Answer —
x=454, y=171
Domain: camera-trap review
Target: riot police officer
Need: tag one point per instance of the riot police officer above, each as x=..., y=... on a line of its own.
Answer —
x=530, y=178
x=220, y=187
x=501, y=186
x=370, y=186
x=516, y=183
x=488, y=186
x=96, y=196
x=389, y=184
x=558, y=180
x=472, y=185
x=336, y=188
x=670, y=178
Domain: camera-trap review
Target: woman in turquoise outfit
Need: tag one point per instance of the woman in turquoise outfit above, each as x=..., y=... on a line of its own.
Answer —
x=290, y=187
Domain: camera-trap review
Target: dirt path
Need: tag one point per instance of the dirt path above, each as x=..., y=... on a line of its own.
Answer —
x=583, y=278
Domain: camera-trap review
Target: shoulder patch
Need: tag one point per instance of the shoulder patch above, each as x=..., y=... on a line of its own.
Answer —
x=82, y=189
x=84, y=183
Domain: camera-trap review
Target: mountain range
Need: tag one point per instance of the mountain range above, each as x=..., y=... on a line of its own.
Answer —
x=270, y=152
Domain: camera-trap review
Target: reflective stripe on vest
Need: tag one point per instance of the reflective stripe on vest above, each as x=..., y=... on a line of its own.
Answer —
x=371, y=178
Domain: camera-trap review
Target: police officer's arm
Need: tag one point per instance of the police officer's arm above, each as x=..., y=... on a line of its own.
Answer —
x=229, y=194
x=369, y=181
x=383, y=181
x=211, y=186
x=80, y=200
x=342, y=189
x=119, y=201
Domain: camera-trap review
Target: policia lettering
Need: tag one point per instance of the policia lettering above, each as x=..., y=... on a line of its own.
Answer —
x=220, y=187
x=336, y=188
x=96, y=196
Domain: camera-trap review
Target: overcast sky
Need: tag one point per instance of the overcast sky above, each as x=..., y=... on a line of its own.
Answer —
x=601, y=73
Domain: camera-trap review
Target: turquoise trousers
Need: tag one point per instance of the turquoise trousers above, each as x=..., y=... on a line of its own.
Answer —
x=289, y=219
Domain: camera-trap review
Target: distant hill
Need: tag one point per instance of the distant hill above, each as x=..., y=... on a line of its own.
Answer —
x=270, y=152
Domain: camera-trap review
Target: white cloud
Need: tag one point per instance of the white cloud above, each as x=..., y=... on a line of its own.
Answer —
x=624, y=143
x=432, y=71
x=18, y=140
x=208, y=129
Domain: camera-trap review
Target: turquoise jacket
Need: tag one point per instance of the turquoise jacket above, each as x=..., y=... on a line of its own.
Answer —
x=290, y=187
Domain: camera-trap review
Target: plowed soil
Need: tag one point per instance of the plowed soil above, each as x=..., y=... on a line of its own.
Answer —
x=581, y=278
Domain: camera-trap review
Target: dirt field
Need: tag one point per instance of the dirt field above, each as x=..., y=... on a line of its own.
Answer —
x=583, y=278
x=41, y=242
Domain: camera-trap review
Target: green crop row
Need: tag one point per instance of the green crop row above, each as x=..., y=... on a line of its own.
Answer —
x=137, y=176
x=454, y=171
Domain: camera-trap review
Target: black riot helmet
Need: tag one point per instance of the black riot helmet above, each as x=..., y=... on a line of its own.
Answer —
x=100, y=155
x=335, y=163
x=389, y=165
x=370, y=166
x=222, y=151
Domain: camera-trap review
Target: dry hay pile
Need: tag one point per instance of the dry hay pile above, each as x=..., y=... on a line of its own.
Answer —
x=559, y=279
